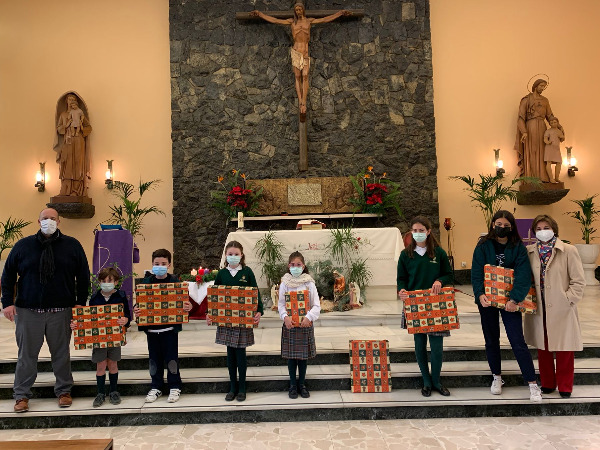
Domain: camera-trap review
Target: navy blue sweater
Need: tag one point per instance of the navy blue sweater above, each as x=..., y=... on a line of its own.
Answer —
x=68, y=286
x=117, y=297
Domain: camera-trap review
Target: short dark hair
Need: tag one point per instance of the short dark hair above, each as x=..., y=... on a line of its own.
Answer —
x=161, y=253
x=109, y=272
x=545, y=218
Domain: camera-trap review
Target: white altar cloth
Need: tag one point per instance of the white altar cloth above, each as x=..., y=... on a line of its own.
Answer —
x=380, y=246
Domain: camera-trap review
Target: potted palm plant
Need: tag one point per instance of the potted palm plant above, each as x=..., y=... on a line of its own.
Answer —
x=10, y=231
x=586, y=215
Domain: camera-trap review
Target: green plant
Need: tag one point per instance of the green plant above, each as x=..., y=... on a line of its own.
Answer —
x=322, y=273
x=10, y=231
x=586, y=216
x=376, y=196
x=235, y=196
x=130, y=214
x=360, y=274
x=489, y=193
x=268, y=249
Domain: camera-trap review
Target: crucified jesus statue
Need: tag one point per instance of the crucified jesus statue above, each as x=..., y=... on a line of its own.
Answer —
x=300, y=25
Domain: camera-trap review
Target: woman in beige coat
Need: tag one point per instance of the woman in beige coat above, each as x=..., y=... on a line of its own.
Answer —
x=559, y=284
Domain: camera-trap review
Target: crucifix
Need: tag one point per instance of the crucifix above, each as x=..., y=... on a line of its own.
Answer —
x=300, y=20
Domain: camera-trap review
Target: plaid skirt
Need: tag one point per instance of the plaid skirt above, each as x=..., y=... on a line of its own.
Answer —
x=433, y=333
x=298, y=343
x=236, y=337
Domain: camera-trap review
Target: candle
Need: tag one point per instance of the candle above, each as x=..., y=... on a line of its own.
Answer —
x=194, y=272
x=240, y=220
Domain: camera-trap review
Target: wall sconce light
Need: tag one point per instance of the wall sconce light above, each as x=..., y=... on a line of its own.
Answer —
x=571, y=163
x=109, y=174
x=40, y=178
x=498, y=163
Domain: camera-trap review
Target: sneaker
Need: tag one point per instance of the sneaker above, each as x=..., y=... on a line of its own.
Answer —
x=115, y=397
x=174, y=395
x=98, y=401
x=153, y=395
x=497, y=384
x=535, y=393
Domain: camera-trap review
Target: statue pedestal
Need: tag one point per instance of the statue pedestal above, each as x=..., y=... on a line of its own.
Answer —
x=72, y=207
x=541, y=194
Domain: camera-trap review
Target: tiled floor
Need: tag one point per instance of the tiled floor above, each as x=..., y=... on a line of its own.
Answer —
x=541, y=433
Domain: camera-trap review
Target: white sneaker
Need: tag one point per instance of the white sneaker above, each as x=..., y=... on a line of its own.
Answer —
x=174, y=395
x=535, y=393
x=153, y=395
x=496, y=388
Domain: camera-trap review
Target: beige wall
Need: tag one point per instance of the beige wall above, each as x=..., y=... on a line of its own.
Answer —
x=484, y=52
x=115, y=54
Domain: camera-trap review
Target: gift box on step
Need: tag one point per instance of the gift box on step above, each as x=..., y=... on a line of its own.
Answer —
x=498, y=282
x=370, y=366
x=296, y=303
x=427, y=312
x=97, y=327
x=232, y=306
x=161, y=304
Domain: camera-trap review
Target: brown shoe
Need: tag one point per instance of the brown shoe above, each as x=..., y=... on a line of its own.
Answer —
x=65, y=400
x=22, y=405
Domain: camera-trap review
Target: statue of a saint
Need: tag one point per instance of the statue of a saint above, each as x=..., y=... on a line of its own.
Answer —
x=300, y=26
x=534, y=111
x=70, y=144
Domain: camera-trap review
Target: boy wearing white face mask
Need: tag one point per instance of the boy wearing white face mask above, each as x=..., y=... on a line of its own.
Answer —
x=108, y=294
x=298, y=343
x=163, y=342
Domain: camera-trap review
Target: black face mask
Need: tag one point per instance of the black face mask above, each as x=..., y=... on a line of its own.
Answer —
x=502, y=232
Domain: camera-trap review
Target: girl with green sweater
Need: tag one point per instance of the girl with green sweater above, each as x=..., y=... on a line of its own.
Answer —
x=423, y=264
x=236, y=273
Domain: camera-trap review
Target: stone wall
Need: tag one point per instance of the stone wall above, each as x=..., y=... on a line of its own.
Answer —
x=234, y=106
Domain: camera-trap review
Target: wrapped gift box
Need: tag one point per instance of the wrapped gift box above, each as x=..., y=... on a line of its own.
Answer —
x=161, y=304
x=97, y=327
x=370, y=366
x=296, y=303
x=232, y=306
x=426, y=312
x=498, y=282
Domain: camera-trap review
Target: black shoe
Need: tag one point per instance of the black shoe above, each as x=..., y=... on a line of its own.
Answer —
x=114, y=397
x=565, y=394
x=230, y=396
x=442, y=390
x=548, y=390
x=426, y=391
x=293, y=393
x=304, y=392
x=241, y=396
x=98, y=401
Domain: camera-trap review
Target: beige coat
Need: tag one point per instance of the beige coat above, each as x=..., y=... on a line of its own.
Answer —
x=563, y=288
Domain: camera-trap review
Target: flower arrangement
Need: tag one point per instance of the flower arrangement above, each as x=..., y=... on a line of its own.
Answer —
x=234, y=196
x=202, y=275
x=375, y=194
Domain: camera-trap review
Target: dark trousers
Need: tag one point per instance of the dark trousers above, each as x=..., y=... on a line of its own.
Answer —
x=31, y=328
x=490, y=324
x=163, y=348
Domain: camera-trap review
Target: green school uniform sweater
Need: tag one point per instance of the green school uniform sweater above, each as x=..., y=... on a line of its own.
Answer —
x=420, y=272
x=245, y=277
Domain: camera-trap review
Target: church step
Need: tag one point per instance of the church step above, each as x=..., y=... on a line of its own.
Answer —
x=277, y=407
x=457, y=374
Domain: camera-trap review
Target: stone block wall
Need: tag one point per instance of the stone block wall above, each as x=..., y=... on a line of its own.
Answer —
x=234, y=106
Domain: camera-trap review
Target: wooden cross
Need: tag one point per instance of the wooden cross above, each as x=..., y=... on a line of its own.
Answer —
x=300, y=24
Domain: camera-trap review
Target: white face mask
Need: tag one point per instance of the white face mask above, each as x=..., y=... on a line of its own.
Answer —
x=48, y=226
x=544, y=235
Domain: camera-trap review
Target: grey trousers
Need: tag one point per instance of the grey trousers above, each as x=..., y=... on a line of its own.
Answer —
x=31, y=328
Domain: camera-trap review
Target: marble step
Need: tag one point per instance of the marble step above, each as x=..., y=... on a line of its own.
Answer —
x=319, y=378
x=277, y=407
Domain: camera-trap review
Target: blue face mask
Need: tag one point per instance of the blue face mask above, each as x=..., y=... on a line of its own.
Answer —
x=107, y=287
x=233, y=260
x=419, y=237
x=296, y=271
x=159, y=271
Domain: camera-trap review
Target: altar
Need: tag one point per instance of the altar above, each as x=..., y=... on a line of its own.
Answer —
x=381, y=248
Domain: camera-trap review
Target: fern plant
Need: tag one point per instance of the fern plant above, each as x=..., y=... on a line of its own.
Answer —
x=10, y=232
x=586, y=216
x=268, y=249
x=489, y=193
x=130, y=214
